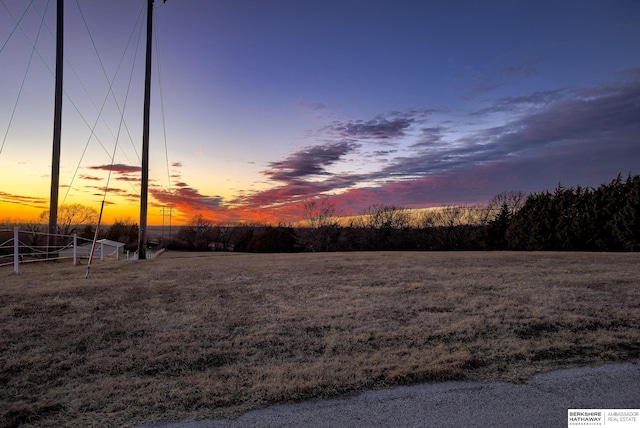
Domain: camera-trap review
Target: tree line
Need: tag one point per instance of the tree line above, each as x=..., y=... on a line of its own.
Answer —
x=606, y=218
x=579, y=219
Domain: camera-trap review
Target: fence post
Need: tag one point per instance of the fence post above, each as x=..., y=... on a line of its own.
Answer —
x=16, y=250
x=75, y=249
x=102, y=251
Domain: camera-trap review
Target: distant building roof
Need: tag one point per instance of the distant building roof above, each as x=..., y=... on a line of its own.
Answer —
x=111, y=243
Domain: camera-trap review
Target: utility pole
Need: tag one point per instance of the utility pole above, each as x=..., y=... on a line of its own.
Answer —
x=142, y=238
x=170, y=209
x=57, y=127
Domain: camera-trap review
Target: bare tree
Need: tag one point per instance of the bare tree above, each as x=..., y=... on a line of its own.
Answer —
x=223, y=236
x=72, y=218
x=513, y=201
x=198, y=234
x=387, y=227
x=450, y=227
x=321, y=213
x=387, y=217
x=324, y=229
x=449, y=216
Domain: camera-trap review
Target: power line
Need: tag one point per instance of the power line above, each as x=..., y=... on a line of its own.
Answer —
x=17, y=22
x=51, y=72
x=24, y=77
x=160, y=84
x=110, y=82
x=170, y=213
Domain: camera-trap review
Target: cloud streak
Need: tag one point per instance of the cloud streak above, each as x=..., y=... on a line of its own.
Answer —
x=378, y=128
x=121, y=168
x=382, y=128
x=186, y=199
x=309, y=162
x=30, y=201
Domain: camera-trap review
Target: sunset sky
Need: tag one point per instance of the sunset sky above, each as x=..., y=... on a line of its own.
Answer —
x=267, y=104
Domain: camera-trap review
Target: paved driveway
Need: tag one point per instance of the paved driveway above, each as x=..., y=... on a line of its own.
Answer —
x=541, y=402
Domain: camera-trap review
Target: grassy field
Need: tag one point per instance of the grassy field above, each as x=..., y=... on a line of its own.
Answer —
x=213, y=335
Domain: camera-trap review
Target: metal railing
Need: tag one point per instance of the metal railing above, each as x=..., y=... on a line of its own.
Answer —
x=27, y=246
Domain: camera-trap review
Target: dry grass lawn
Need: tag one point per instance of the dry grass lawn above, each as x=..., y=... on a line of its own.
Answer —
x=213, y=335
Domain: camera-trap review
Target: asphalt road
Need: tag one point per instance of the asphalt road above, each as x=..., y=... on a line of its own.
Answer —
x=541, y=402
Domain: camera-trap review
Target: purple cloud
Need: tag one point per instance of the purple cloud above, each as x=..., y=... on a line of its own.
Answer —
x=430, y=137
x=186, y=199
x=578, y=123
x=121, y=168
x=308, y=162
x=379, y=128
x=89, y=177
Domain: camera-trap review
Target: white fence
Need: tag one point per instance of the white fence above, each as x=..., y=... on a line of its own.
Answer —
x=25, y=246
